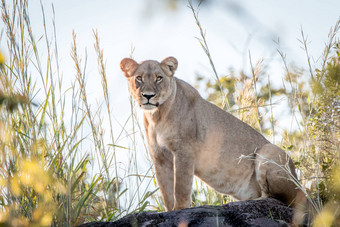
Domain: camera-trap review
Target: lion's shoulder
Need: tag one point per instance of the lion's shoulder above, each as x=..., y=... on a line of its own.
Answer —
x=185, y=89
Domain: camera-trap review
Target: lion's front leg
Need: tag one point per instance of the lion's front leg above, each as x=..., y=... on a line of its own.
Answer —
x=184, y=173
x=163, y=163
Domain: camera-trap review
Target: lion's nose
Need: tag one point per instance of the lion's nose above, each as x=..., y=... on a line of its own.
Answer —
x=148, y=96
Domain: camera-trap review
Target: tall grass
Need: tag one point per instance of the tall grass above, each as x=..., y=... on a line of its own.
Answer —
x=48, y=156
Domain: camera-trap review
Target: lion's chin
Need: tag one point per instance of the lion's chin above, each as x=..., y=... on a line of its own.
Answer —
x=149, y=106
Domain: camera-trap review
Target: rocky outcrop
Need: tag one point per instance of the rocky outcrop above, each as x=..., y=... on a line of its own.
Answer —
x=265, y=212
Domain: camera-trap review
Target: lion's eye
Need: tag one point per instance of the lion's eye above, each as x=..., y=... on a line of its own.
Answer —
x=159, y=78
x=139, y=78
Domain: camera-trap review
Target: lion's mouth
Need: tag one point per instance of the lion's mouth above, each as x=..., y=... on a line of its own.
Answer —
x=150, y=104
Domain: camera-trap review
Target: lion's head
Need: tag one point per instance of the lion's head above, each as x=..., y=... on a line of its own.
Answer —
x=150, y=82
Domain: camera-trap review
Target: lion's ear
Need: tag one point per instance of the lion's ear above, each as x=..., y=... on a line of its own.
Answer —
x=169, y=65
x=128, y=66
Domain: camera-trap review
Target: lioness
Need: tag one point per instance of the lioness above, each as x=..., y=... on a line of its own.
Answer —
x=189, y=136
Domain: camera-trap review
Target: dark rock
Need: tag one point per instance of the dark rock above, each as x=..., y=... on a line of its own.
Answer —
x=265, y=212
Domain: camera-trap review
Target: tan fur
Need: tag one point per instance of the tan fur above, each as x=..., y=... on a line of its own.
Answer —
x=189, y=136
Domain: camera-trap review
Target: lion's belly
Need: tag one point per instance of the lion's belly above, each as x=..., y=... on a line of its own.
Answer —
x=227, y=176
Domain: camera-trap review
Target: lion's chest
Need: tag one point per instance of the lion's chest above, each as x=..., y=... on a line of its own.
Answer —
x=163, y=136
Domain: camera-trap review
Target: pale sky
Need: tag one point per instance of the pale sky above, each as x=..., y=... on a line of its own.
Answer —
x=156, y=35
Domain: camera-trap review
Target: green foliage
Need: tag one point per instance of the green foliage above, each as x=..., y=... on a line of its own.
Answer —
x=324, y=124
x=246, y=103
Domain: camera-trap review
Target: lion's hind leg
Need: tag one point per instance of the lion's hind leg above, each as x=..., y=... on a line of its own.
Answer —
x=275, y=174
x=261, y=177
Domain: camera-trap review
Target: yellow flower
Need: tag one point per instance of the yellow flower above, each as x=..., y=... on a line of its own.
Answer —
x=2, y=59
x=324, y=219
x=34, y=175
x=42, y=216
x=15, y=187
x=336, y=179
x=46, y=220
x=26, y=179
x=3, y=216
x=2, y=182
